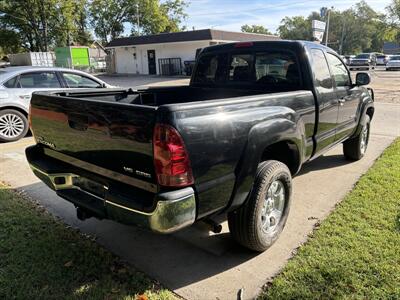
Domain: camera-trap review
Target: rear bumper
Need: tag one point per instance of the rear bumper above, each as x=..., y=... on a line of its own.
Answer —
x=173, y=210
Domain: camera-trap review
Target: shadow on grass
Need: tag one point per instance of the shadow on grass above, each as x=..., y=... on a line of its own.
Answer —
x=96, y=273
x=40, y=258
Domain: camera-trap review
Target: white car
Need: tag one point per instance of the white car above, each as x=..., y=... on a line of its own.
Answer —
x=382, y=59
x=393, y=63
x=17, y=85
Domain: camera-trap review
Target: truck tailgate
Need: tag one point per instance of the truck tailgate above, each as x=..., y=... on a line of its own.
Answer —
x=106, y=135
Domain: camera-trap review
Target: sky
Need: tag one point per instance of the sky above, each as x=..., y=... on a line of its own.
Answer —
x=232, y=14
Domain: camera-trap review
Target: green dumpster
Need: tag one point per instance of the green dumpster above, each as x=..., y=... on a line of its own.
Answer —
x=72, y=57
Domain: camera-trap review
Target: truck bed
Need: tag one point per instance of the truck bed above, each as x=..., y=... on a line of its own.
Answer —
x=160, y=96
x=110, y=129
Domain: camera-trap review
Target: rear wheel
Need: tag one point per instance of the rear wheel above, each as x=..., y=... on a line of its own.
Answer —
x=13, y=125
x=258, y=223
x=355, y=148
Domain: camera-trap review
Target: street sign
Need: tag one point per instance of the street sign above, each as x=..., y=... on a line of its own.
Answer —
x=323, y=12
x=318, y=28
x=318, y=25
x=318, y=35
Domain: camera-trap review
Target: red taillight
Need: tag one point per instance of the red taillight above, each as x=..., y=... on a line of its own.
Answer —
x=29, y=117
x=243, y=44
x=171, y=160
x=30, y=121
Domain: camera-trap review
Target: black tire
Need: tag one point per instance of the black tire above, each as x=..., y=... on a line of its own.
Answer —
x=245, y=223
x=21, y=127
x=353, y=149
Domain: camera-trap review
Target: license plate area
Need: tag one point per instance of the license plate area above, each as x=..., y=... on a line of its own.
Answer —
x=90, y=186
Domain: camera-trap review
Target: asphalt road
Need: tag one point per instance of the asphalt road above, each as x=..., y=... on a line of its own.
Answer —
x=197, y=264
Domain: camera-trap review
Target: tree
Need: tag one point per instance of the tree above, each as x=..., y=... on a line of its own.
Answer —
x=109, y=16
x=393, y=33
x=295, y=28
x=351, y=31
x=156, y=17
x=9, y=42
x=255, y=29
x=41, y=24
x=175, y=10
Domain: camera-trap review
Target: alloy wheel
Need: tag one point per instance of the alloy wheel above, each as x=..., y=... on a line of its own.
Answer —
x=273, y=206
x=11, y=126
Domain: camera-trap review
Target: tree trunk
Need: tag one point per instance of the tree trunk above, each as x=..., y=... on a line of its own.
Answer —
x=43, y=21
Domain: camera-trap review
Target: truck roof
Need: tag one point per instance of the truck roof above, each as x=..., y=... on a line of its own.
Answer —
x=287, y=44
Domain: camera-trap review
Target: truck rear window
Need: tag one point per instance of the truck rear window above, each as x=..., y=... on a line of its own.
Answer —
x=267, y=70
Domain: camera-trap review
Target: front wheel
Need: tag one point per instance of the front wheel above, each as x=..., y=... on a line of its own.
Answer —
x=355, y=148
x=13, y=125
x=258, y=223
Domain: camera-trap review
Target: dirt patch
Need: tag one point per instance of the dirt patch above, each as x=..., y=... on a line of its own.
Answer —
x=386, y=85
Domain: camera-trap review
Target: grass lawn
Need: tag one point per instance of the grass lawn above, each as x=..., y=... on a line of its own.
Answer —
x=355, y=253
x=42, y=259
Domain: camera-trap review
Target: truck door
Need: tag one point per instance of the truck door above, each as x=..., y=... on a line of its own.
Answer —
x=327, y=101
x=348, y=97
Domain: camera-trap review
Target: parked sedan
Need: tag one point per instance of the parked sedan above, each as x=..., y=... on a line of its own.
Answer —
x=393, y=63
x=17, y=85
x=349, y=58
x=363, y=60
x=381, y=60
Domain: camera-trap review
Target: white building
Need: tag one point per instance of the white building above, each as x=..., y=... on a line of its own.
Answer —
x=165, y=54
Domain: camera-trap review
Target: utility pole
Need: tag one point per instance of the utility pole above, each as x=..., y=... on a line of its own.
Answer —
x=137, y=19
x=342, y=36
x=327, y=27
x=43, y=20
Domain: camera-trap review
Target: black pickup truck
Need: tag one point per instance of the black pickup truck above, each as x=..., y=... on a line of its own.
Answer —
x=228, y=144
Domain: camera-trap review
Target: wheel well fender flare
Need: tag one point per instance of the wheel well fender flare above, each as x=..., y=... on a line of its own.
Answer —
x=367, y=108
x=261, y=137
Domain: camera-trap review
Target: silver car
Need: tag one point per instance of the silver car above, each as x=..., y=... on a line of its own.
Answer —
x=17, y=85
x=382, y=59
x=393, y=63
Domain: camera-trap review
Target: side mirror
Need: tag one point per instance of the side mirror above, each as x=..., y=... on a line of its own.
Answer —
x=362, y=79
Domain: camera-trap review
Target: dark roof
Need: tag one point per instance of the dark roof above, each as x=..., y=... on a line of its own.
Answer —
x=186, y=36
x=391, y=48
x=290, y=45
x=391, y=45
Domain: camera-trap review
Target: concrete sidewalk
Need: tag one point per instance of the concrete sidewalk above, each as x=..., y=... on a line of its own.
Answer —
x=200, y=265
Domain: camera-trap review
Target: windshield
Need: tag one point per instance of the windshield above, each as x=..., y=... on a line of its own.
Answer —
x=362, y=56
x=267, y=70
x=395, y=57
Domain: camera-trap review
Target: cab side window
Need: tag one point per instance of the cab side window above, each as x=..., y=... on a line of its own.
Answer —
x=321, y=69
x=339, y=71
